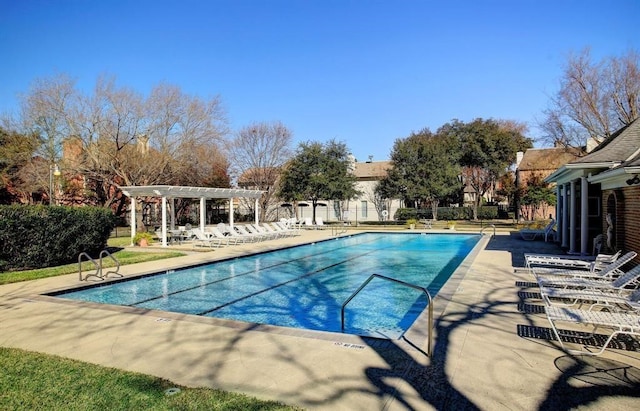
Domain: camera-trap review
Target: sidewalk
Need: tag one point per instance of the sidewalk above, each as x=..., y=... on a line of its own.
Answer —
x=487, y=353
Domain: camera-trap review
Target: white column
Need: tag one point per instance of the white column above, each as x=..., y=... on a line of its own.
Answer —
x=203, y=212
x=133, y=219
x=231, y=212
x=572, y=218
x=256, y=213
x=565, y=216
x=164, y=221
x=558, y=212
x=173, y=211
x=584, y=216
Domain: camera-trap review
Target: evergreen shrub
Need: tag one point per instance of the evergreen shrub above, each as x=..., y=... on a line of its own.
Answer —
x=46, y=236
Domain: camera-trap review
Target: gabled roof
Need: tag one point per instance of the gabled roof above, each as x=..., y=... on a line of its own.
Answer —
x=373, y=169
x=611, y=160
x=622, y=146
x=537, y=159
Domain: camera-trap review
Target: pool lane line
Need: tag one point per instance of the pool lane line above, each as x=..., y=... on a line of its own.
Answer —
x=219, y=280
x=290, y=281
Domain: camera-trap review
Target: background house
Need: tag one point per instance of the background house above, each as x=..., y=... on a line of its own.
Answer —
x=366, y=207
x=540, y=162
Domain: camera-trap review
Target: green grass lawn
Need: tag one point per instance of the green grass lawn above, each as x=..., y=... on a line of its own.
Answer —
x=32, y=381
x=124, y=257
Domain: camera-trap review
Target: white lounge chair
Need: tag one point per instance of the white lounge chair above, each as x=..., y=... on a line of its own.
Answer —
x=284, y=232
x=618, y=322
x=248, y=233
x=617, y=285
x=569, y=261
x=623, y=301
x=308, y=223
x=226, y=239
x=320, y=224
x=530, y=235
x=205, y=239
x=606, y=272
x=269, y=230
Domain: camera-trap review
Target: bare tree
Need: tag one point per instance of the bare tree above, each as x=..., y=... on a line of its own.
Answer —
x=259, y=151
x=116, y=136
x=594, y=99
x=44, y=113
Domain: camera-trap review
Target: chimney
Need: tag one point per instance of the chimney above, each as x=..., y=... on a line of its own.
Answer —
x=519, y=156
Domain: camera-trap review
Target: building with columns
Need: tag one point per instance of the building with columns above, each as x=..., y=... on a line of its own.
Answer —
x=600, y=194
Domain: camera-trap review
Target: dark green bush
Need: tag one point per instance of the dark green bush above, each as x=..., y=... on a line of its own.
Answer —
x=43, y=236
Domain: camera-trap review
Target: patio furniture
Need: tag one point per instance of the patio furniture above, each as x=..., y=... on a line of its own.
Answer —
x=619, y=322
x=606, y=272
x=569, y=261
x=618, y=285
x=205, y=239
x=530, y=234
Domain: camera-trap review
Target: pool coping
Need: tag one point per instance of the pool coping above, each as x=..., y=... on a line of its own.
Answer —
x=410, y=339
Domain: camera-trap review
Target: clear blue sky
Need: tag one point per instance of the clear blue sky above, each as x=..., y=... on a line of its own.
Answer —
x=362, y=72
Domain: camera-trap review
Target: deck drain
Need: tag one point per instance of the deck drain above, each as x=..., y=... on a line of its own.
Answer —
x=171, y=391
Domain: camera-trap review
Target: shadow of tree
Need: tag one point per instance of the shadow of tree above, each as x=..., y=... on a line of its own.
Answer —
x=75, y=327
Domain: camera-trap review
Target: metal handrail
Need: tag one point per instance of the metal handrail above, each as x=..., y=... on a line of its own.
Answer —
x=489, y=226
x=98, y=272
x=336, y=230
x=115, y=260
x=417, y=287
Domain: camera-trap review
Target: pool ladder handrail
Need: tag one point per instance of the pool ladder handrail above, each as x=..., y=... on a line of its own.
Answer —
x=336, y=230
x=417, y=287
x=106, y=253
x=489, y=226
x=98, y=266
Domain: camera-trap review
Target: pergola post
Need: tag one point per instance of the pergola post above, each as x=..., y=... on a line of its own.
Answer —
x=255, y=212
x=231, y=212
x=133, y=219
x=164, y=221
x=173, y=212
x=203, y=212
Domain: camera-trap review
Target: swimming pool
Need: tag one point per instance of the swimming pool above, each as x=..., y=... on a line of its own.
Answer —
x=305, y=286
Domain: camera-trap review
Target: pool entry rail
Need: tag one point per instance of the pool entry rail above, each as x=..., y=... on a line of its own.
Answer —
x=489, y=226
x=417, y=287
x=99, y=274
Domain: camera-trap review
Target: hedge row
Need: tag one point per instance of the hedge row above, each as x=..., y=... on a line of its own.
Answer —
x=447, y=213
x=43, y=236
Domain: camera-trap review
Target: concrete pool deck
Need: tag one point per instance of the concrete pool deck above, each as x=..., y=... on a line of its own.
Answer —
x=489, y=352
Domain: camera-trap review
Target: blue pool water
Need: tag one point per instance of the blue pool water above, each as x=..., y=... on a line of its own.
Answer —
x=305, y=286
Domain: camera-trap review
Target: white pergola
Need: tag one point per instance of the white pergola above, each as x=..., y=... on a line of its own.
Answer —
x=172, y=192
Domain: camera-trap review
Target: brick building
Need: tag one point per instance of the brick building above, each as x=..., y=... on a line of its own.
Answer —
x=600, y=194
x=541, y=162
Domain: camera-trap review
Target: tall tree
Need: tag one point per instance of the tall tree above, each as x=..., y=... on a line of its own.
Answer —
x=318, y=172
x=594, y=100
x=536, y=198
x=16, y=154
x=259, y=151
x=425, y=170
x=487, y=148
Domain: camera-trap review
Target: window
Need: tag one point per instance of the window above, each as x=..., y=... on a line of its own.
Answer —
x=363, y=208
